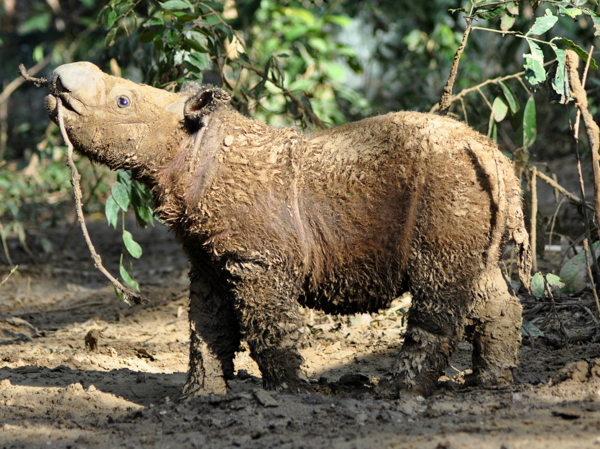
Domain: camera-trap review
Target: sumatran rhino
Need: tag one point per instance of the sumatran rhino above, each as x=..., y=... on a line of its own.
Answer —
x=342, y=220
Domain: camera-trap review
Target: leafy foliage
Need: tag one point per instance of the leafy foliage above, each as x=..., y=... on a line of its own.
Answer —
x=125, y=193
x=294, y=66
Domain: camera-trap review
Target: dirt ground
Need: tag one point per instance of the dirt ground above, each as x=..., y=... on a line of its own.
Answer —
x=56, y=392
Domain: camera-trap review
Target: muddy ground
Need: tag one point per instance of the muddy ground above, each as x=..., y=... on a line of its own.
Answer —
x=56, y=392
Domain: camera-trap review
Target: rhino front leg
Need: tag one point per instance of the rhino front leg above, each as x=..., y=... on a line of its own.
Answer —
x=214, y=339
x=270, y=323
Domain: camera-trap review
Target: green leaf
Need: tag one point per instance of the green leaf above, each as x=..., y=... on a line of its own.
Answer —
x=38, y=53
x=574, y=272
x=492, y=128
x=535, y=73
x=154, y=22
x=560, y=82
x=499, y=109
x=141, y=201
x=124, y=177
x=554, y=281
x=110, y=37
x=543, y=24
x=112, y=17
x=319, y=44
x=580, y=52
x=537, y=285
x=595, y=20
x=342, y=21
x=529, y=123
x=39, y=22
x=126, y=277
x=294, y=32
x=197, y=41
x=510, y=98
x=199, y=60
x=121, y=195
x=507, y=22
x=111, y=210
x=176, y=5
x=132, y=246
x=300, y=15
x=570, y=11
x=489, y=12
x=530, y=330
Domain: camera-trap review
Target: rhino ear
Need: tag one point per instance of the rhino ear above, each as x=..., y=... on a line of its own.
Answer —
x=204, y=101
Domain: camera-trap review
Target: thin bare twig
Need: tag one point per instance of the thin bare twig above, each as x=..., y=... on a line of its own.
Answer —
x=553, y=223
x=561, y=189
x=497, y=80
x=127, y=294
x=14, y=84
x=586, y=250
x=533, y=225
x=4, y=244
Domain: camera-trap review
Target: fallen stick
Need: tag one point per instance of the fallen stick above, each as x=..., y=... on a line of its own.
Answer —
x=9, y=274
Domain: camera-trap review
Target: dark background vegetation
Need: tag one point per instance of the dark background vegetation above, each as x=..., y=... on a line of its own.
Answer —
x=310, y=64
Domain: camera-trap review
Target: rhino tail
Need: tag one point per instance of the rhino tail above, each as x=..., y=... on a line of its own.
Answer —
x=518, y=233
x=509, y=220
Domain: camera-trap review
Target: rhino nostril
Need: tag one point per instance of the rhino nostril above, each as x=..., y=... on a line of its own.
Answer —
x=59, y=86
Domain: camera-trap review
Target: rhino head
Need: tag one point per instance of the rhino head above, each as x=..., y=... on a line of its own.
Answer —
x=125, y=125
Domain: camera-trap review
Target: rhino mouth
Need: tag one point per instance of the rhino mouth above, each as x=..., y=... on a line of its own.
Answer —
x=52, y=102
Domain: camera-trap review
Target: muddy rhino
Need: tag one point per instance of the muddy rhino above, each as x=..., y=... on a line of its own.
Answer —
x=342, y=220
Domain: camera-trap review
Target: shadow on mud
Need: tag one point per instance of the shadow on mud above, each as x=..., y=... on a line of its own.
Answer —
x=351, y=379
x=139, y=387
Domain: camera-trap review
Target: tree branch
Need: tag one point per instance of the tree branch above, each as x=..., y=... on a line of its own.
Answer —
x=446, y=100
x=14, y=84
x=127, y=294
x=592, y=130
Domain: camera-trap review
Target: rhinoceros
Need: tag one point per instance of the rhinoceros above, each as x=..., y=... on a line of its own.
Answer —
x=343, y=220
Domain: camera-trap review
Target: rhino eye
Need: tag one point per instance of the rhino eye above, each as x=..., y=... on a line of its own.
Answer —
x=123, y=101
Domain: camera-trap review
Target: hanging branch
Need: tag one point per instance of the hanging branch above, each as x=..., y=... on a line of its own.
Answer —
x=446, y=99
x=593, y=132
x=591, y=127
x=127, y=295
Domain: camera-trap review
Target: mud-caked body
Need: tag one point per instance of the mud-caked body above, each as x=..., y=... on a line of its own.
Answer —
x=343, y=220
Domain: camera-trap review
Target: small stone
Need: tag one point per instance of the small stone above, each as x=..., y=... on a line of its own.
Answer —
x=228, y=140
x=265, y=399
x=361, y=419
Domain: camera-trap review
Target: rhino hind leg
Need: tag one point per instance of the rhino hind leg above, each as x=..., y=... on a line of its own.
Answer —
x=496, y=337
x=214, y=339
